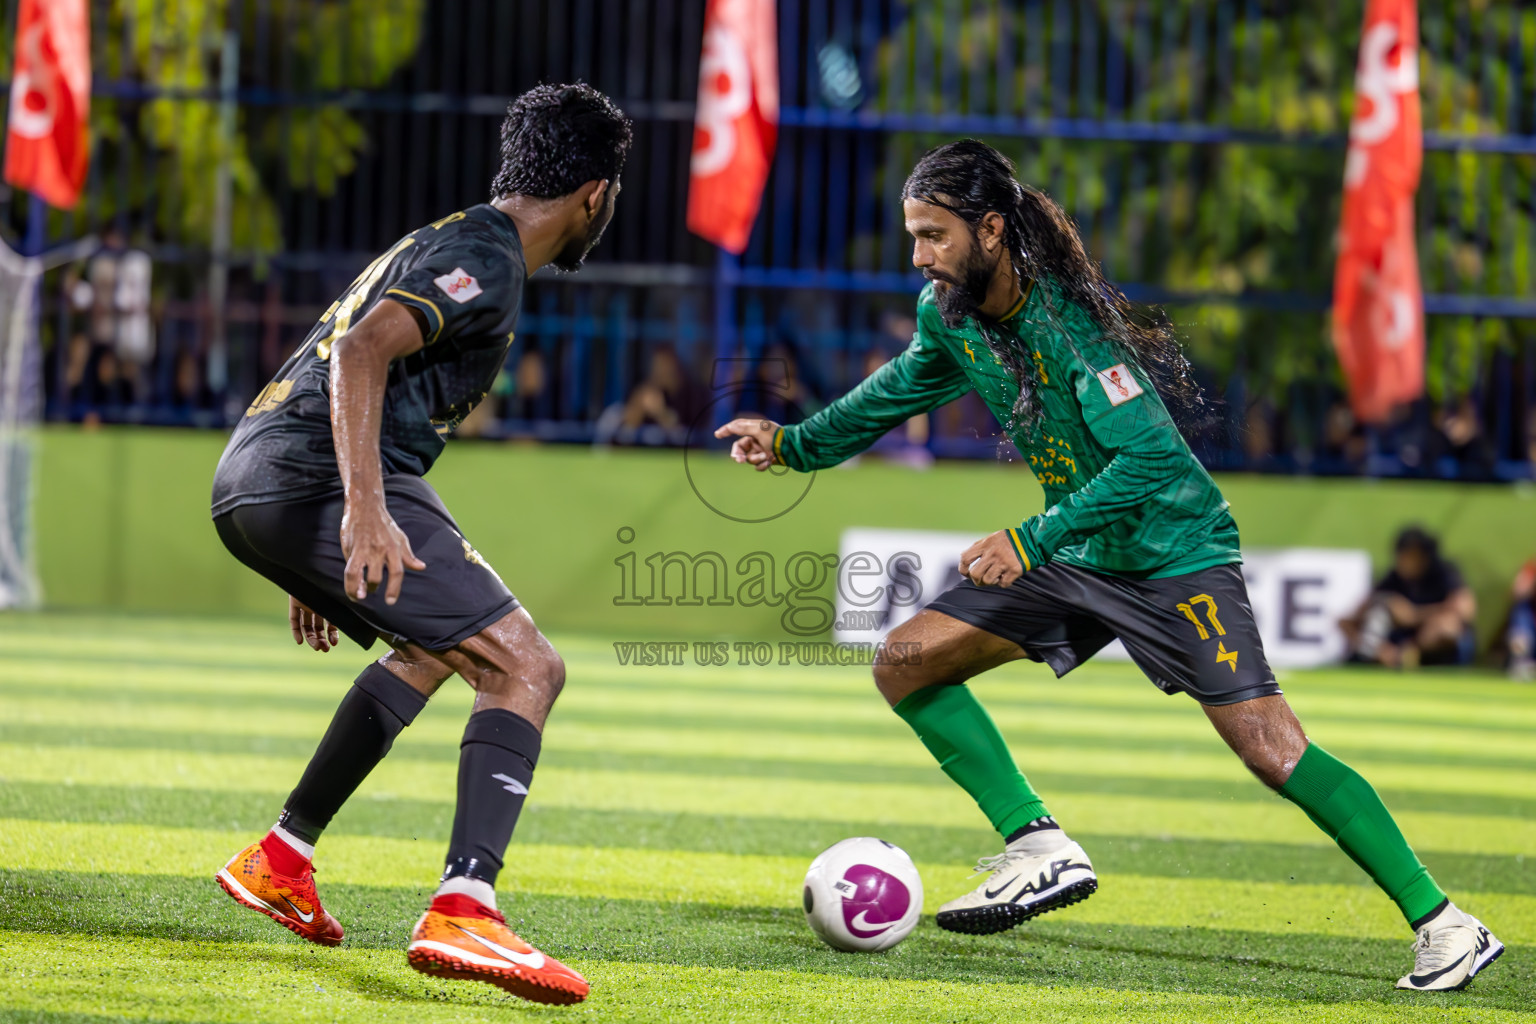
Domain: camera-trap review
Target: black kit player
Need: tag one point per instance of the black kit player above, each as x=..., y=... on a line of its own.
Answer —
x=1135, y=542
x=321, y=492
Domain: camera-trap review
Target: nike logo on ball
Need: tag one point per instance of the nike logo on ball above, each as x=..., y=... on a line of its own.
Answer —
x=859, y=925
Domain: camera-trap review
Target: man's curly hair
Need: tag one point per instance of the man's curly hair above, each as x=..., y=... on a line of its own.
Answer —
x=557, y=137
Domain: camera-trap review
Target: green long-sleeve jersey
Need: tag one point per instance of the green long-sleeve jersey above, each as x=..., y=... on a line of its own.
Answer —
x=1123, y=493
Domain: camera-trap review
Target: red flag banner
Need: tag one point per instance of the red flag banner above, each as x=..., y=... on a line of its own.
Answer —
x=1378, y=305
x=737, y=120
x=46, y=144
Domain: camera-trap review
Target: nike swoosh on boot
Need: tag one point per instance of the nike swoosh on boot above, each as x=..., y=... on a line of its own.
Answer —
x=1425, y=979
x=534, y=960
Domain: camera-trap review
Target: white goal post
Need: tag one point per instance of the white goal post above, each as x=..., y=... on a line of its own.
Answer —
x=21, y=406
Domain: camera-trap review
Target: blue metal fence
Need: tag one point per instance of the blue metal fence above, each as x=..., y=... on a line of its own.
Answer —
x=1198, y=143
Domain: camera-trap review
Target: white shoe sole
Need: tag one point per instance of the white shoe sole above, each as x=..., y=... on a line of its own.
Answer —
x=990, y=918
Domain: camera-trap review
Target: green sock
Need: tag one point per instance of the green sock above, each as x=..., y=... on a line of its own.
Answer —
x=1344, y=805
x=957, y=730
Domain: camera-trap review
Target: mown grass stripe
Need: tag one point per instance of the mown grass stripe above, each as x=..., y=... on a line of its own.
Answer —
x=1102, y=750
x=786, y=798
x=1097, y=686
x=739, y=880
x=440, y=728
x=268, y=674
x=1128, y=732
x=1129, y=711
x=1190, y=777
x=862, y=706
x=662, y=935
x=369, y=985
x=252, y=813
x=174, y=637
x=232, y=646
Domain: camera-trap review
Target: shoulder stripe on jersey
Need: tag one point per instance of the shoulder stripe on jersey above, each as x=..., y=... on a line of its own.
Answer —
x=435, y=311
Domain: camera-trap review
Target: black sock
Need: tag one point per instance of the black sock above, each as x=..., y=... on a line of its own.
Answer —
x=496, y=764
x=1038, y=825
x=364, y=727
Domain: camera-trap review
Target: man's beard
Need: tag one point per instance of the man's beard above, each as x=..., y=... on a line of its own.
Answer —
x=571, y=258
x=959, y=298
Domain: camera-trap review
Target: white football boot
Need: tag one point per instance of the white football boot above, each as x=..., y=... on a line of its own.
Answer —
x=1035, y=873
x=1450, y=950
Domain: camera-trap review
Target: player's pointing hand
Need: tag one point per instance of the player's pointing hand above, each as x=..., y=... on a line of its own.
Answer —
x=754, y=441
x=374, y=545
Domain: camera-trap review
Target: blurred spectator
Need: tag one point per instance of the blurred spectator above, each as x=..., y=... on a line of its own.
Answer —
x=1464, y=439
x=1520, y=633
x=660, y=410
x=528, y=382
x=1259, y=438
x=108, y=364
x=1343, y=437
x=1419, y=614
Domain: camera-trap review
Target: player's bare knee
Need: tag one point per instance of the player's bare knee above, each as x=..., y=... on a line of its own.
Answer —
x=1271, y=757
x=896, y=682
x=538, y=674
x=1267, y=768
x=421, y=672
x=551, y=673
x=541, y=668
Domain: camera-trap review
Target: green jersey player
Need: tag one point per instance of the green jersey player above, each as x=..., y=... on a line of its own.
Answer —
x=1135, y=542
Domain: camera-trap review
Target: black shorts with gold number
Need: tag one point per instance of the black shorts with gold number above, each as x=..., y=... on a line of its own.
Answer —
x=1193, y=633
x=297, y=545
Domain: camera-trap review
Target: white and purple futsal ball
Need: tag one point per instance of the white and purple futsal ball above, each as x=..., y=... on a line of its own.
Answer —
x=863, y=895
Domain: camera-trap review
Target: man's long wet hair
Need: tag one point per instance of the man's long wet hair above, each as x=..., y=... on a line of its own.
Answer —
x=557, y=138
x=971, y=179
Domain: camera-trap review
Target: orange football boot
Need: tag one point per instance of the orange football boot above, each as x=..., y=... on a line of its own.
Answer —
x=460, y=938
x=290, y=900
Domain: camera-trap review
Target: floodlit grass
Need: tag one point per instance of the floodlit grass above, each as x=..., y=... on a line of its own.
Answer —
x=671, y=819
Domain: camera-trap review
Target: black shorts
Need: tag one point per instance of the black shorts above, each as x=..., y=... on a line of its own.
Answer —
x=1193, y=633
x=297, y=545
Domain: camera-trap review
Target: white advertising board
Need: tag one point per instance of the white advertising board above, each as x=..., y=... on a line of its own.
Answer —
x=1298, y=594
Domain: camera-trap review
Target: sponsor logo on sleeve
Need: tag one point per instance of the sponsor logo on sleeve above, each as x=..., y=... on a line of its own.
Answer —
x=460, y=286
x=1119, y=384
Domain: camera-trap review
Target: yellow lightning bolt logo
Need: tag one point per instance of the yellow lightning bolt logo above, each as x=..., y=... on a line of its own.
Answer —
x=1230, y=657
x=968, y=350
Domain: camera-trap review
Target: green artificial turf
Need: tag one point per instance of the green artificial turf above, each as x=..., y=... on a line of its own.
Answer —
x=673, y=814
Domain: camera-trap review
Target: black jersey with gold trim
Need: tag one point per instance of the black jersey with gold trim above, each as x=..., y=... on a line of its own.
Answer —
x=465, y=274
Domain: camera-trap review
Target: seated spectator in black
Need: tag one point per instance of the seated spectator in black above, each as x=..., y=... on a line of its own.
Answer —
x=1520, y=632
x=526, y=392
x=660, y=410
x=1461, y=435
x=1419, y=614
